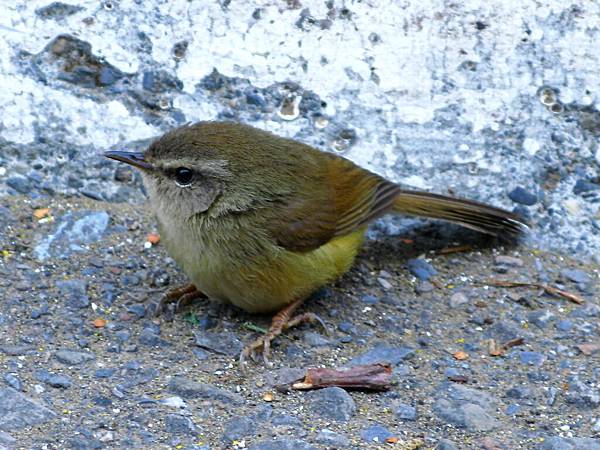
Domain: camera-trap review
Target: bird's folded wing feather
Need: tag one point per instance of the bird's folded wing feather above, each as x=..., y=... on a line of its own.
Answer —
x=336, y=201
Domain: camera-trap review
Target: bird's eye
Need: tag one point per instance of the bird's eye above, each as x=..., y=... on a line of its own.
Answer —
x=183, y=176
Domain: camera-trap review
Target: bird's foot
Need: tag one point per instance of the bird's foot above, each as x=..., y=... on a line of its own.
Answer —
x=178, y=297
x=283, y=320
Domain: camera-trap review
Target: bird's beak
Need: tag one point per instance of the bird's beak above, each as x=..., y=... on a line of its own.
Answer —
x=135, y=159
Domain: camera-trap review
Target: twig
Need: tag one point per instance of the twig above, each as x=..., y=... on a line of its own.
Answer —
x=498, y=350
x=457, y=249
x=545, y=287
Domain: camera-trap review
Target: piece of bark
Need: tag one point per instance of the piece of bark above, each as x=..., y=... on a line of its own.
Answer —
x=371, y=376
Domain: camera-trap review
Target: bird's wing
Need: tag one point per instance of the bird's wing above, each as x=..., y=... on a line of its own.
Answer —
x=341, y=198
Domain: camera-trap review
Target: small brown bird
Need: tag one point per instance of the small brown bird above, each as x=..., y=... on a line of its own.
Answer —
x=263, y=221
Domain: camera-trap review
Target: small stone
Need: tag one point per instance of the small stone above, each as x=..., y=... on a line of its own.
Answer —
x=54, y=380
x=284, y=377
x=74, y=291
x=13, y=381
x=138, y=309
x=541, y=319
x=513, y=409
x=105, y=373
x=330, y=438
x=72, y=231
x=180, y=425
x=149, y=338
x=406, y=412
x=519, y=392
x=421, y=269
x=509, y=261
x=369, y=299
x=376, y=433
x=16, y=349
x=445, y=444
x=583, y=186
x=582, y=396
x=385, y=284
x=561, y=443
x=187, y=388
x=564, y=325
x=332, y=403
x=467, y=408
x=522, y=196
x=458, y=299
x=19, y=411
x=239, y=427
x=423, y=287
x=316, y=339
x=282, y=444
x=73, y=357
x=589, y=349
x=531, y=358
x=19, y=183
x=287, y=421
x=224, y=343
x=383, y=353
x=576, y=276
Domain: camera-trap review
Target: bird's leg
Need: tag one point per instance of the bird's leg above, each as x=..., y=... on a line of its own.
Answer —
x=181, y=296
x=280, y=322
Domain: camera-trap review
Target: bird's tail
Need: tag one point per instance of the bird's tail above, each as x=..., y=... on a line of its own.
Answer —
x=477, y=216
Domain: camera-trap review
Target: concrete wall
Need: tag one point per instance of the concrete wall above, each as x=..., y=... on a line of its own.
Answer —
x=494, y=100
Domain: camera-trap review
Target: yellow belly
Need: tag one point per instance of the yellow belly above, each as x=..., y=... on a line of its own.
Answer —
x=269, y=281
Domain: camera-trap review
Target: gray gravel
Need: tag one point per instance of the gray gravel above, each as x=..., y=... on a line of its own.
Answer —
x=134, y=381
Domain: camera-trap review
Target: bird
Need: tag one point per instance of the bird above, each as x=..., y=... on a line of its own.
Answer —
x=263, y=221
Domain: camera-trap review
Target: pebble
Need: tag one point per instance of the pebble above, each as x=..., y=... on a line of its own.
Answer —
x=16, y=349
x=531, y=358
x=54, y=380
x=19, y=411
x=332, y=403
x=330, y=438
x=445, y=444
x=513, y=409
x=224, y=343
x=406, y=412
x=73, y=357
x=522, y=196
x=186, y=388
x=376, y=433
x=458, y=299
x=541, y=318
x=583, y=186
x=282, y=444
x=576, y=276
x=421, y=269
x=561, y=443
x=19, y=183
x=506, y=260
x=315, y=339
x=581, y=395
x=383, y=353
x=467, y=408
x=71, y=232
x=519, y=392
x=74, y=291
x=239, y=427
x=13, y=381
x=180, y=425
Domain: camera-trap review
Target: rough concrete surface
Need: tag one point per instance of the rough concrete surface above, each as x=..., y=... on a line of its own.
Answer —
x=496, y=101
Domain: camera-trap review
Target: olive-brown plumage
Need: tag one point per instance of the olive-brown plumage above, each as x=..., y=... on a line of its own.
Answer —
x=262, y=221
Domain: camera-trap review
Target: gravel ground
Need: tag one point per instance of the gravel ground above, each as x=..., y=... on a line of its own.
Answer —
x=83, y=367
